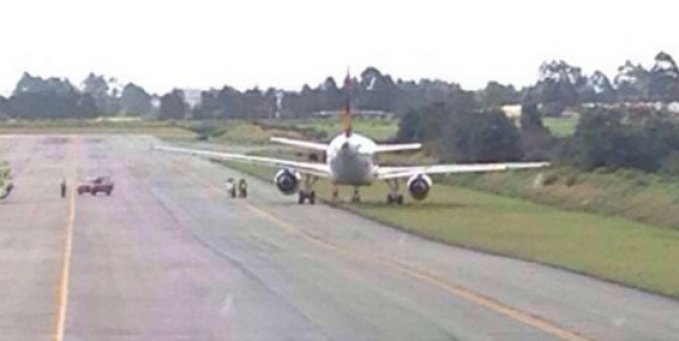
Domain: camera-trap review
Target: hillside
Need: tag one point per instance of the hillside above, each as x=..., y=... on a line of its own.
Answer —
x=630, y=194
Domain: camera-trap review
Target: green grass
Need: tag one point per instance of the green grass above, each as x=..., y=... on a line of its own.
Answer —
x=615, y=249
x=630, y=194
x=377, y=129
x=560, y=126
x=166, y=130
x=238, y=131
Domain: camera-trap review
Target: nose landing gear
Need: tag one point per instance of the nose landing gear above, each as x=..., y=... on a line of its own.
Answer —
x=307, y=194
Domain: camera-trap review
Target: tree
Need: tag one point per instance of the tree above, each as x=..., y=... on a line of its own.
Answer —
x=409, y=127
x=332, y=97
x=535, y=137
x=375, y=91
x=598, y=89
x=173, y=106
x=104, y=95
x=631, y=82
x=37, y=85
x=530, y=117
x=557, y=86
x=51, y=105
x=209, y=107
x=496, y=95
x=134, y=100
x=617, y=139
x=3, y=108
x=663, y=84
x=87, y=107
x=97, y=87
x=35, y=97
x=487, y=136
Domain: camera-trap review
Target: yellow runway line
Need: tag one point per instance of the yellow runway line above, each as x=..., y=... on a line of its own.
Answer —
x=62, y=293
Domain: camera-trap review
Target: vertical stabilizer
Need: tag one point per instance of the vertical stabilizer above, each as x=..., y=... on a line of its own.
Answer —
x=346, y=115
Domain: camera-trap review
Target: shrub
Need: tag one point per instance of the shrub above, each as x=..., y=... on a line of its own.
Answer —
x=641, y=182
x=571, y=180
x=550, y=179
x=670, y=165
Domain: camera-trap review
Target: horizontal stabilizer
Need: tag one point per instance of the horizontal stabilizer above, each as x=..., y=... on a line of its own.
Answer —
x=384, y=148
x=300, y=143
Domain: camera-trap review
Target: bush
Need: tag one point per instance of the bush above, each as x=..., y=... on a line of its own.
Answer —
x=550, y=179
x=571, y=180
x=642, y=182
x=603, y=170
x=206, y=130
x=670, y=165
x=628, y=174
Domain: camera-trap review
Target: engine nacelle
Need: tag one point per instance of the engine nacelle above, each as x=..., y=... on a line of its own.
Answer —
x=419, y=186
x=287, y=181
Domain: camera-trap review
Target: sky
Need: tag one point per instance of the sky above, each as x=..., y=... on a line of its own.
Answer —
x=202, y=44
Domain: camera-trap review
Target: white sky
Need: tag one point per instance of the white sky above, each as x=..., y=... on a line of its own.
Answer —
x=202, y=44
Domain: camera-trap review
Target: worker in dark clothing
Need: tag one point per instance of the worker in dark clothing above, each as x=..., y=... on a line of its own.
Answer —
x=63, y=188
x=242, y=188
x=8, y=190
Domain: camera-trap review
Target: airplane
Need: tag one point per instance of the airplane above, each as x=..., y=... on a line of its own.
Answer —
x=350, y=160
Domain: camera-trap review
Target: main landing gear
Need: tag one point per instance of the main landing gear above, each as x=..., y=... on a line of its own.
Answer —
x=308, y=194
x=335, y=193
x=394, y=197
x=355, y=197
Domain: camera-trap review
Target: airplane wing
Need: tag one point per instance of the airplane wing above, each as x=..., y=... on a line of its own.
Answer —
x=385, y=173
x=312, y=168
x=300, y=143
x=382, y=148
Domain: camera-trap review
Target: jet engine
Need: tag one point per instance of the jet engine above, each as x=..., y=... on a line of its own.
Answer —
x=419, y=186
x=287, y=181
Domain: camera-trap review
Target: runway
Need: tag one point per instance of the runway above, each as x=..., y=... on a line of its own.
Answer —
x=170, y=257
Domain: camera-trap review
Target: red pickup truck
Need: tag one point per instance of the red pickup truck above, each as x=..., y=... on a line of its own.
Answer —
x=101, y=184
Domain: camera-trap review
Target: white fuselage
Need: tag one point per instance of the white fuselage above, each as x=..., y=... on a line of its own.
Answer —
x=351, y=159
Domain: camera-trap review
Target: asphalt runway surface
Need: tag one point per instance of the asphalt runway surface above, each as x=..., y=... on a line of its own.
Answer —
x=170, y=257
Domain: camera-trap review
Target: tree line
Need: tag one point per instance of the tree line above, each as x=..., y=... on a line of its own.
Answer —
x=35, y=97
x=611, y=138
x=559, y=85
x=460, y=125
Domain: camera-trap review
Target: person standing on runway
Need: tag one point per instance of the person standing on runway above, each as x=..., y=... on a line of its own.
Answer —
x=63, y=188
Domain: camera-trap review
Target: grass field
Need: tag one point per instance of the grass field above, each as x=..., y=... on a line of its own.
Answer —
x=647, y=198
x=165, y=130
x=380, y=130
x=611, y=248
x=240, y=131
x=243, y=132
x=560, y=126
